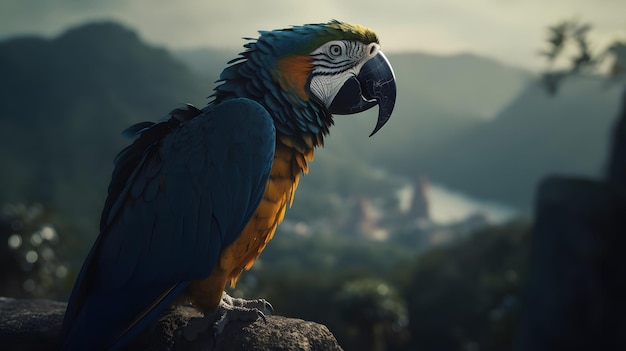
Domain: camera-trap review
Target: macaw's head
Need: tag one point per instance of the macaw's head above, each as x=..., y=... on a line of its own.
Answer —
x=305, y=74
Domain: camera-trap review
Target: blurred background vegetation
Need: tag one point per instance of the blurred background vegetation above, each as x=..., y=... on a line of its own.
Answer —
x=415, y=239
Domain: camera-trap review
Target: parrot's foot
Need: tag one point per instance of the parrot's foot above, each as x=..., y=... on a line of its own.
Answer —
x=260, y=304
x=230, y=309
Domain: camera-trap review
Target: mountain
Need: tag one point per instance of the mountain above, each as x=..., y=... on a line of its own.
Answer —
x=208, y=62
x=461, y=85
x=535, y=135
x=64, y=103
x=438, y=98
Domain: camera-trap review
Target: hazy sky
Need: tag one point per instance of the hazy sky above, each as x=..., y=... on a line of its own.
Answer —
x=512, y=31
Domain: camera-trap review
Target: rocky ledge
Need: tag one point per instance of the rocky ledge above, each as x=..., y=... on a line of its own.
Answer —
x=35, y=325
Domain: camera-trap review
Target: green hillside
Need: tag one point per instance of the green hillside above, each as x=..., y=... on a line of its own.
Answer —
x=439, y=97
x=64, y=103
x=536, y=135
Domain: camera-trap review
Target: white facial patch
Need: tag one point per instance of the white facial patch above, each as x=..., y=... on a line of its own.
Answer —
x=334, y=63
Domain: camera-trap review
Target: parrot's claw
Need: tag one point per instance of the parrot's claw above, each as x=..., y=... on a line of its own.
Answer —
x=229, y=309
x=261, y=304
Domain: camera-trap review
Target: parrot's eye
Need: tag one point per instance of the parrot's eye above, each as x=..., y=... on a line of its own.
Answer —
x=373, y=49
x=335, y=50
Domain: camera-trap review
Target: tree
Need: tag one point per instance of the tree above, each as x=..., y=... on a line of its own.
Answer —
x=573, y=35
x=465, y=296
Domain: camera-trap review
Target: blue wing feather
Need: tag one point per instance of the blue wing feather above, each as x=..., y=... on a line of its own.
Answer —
x=182, y=192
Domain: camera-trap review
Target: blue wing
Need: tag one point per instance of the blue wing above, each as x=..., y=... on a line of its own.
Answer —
x=182, y=192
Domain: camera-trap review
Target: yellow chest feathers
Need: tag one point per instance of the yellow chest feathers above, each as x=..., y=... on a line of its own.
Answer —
x=288, y=165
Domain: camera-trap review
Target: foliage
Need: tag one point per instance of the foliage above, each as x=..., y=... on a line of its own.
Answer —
x=466, y=295
x=33, y=261
x=374, y=311
x=587, y=61
x=574, y=34
x=311, y=278
x=383, y=295
x=63, y=105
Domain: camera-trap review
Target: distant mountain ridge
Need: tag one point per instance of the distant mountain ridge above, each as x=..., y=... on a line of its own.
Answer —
x=65, y=101
x=535, y=135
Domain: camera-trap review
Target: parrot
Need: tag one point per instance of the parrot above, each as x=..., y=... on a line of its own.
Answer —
x=196, y=196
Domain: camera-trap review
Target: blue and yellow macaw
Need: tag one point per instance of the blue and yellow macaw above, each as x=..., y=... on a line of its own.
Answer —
x=195, y=199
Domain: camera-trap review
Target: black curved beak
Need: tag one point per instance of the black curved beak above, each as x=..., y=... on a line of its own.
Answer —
x=375, y=85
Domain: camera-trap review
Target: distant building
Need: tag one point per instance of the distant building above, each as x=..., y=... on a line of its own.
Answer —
x=419, y=209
